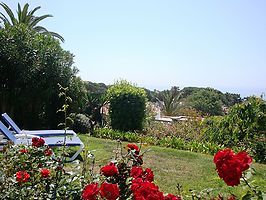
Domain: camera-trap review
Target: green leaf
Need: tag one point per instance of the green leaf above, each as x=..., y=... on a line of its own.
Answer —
x=247, y=196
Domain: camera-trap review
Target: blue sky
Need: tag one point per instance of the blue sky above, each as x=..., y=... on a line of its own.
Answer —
x=162, y=43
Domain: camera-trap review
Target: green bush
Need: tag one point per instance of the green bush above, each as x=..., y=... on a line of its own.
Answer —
x=243, y=127
x=30, y=172
x=81, y=123
x=127, y=106
x=164, y=141
x=108, y=133
x=31, y=66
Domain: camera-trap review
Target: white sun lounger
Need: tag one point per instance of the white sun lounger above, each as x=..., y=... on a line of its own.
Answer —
x=50, y=141
x=41, y=133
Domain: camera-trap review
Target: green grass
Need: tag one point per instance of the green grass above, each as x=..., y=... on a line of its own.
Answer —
x=192, y=170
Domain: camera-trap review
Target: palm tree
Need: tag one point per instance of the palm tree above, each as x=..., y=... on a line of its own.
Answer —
x=170, y=101
x=24, y=16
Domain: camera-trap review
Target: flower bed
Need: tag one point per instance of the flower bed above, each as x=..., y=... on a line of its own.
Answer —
x=29, y=172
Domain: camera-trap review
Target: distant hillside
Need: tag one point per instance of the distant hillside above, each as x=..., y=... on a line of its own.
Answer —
x=98, y=88
x=206, y=100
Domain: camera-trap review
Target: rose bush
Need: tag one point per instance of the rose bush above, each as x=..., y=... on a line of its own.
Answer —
x=29, y=172
x=125, y=178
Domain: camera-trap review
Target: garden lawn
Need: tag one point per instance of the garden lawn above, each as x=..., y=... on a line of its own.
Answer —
x=193, y=171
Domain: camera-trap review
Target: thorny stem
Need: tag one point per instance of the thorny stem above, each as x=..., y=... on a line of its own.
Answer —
x=245, y=180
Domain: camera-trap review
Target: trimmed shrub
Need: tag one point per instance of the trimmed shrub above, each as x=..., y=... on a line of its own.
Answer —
x=127, y=106
x=81, y=123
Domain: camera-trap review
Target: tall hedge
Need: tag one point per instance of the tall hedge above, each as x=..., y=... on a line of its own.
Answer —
x=127, y=106
x=31, y=66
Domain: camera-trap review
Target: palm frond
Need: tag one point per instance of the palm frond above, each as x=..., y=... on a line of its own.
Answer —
x=24, y=14
x=30, y=14
x=56, y=35
x=35, y=20
x=4, y=19
x=40, y=29
x=9, y=13
x=19, y=12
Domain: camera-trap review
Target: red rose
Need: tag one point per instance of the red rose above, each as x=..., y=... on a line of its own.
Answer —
x=48, y=152
x=232, y=198
x=136, y=172
x=223, y=155
x=22, y=176
x=109, y=191
x=23, y=151
x=90, y=192
x=45, y=173
x=230, y=166
x=244, y=159
x=133, y=147
x=37, y=142
x=136, y=183
x=172, y=197
x=109, y=170
x=148, y=175
x=146, y=190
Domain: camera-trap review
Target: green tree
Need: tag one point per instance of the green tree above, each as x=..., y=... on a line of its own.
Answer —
x=127, y=106
x=78, y=93
x=94, y=104
x=31, y=65
x=244, y=126
x=206, y=101
x=24, y=16
x=96, y=88
x=230, y=99
x=170, y=101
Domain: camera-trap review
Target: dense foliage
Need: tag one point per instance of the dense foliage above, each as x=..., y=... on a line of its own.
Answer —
x=81, y=123
x=164, y=137
x=244, y=126
x=208, y=101
x=127, y=106
x=31, y=66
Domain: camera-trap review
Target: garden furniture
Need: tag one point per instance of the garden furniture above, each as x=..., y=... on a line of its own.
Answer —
x=26, y=139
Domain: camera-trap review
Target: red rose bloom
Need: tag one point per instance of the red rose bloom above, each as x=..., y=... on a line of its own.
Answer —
x=90, y=192
x=136, y=172
x=148, y=175
x=146, y=190
x=109, y=170
x=48, y=152
x=230, y=166
x=136, y=183
x=37, y=142
x=172, y=197
x=133, y=147
x=222, y=156
x=22, y=176
x=109, y=191
x=244, y=159
x=232, y=198
x=23, y=151
x=45, y=173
